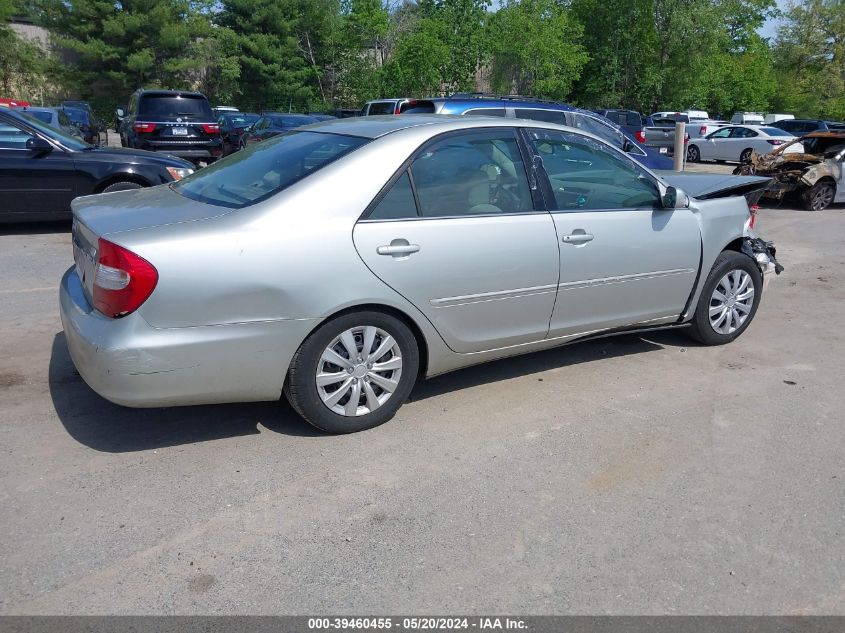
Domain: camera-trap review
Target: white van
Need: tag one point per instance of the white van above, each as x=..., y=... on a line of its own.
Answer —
x=774, y=118
x=747, y=118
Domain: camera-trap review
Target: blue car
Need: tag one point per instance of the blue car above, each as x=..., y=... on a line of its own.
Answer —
x=542, y=110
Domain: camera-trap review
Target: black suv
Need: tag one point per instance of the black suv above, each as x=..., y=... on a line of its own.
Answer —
x=171, y=121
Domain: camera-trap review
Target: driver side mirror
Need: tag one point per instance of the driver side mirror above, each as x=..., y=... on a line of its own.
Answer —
x=673, y=198
x=38, y=145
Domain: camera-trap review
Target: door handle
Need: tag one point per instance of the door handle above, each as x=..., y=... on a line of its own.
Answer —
x=577, y=238
x=398, y=249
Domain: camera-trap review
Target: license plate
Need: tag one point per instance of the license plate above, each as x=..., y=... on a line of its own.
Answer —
x=664, y=150
x=180, y=131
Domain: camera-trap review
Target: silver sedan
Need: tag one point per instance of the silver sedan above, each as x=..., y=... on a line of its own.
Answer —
x=341, y=262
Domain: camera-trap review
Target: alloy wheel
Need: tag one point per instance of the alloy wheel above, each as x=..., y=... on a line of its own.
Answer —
x=359, y=370
x=822, y=198
x=731, y=302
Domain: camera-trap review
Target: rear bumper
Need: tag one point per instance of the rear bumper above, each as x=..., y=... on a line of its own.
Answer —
x=131, y=363
x=195, y=151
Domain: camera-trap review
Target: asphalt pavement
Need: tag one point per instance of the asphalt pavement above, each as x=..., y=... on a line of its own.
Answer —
x=632, y=475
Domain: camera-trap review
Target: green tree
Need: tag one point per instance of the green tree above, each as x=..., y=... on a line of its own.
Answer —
x=22, y=63
x=536, y=48
x=810, y=60
x=119, y=46
x=279, y=45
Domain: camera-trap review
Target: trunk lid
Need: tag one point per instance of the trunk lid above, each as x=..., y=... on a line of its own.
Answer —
x=107, y=214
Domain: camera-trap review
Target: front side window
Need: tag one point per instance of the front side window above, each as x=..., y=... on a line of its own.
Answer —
x=12, y=138
x=472, y=173
x=264, y=169
x=725, y=132
x=586, y=175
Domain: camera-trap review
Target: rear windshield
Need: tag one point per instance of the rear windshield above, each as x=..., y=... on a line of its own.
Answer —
x=293, y=121
x=624, y=117
x=774, y=131
x=174, y=106
x=417, y=107
x=262, y=170
x=46, y=117
x=240, y=120
x=76, y=115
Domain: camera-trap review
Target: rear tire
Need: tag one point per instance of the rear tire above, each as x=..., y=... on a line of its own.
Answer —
x=728, y=301
x=745, y=157
x=693, y=154
x=123, y=185
x=819, y=196
x=342, y=390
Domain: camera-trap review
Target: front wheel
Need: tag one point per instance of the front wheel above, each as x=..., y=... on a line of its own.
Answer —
x=693, y=154
x=354, y=372
x=819, y=196
x=729, y=299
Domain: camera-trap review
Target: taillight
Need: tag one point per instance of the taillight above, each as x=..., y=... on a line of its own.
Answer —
x=211, y=128
x=144, y=128
x=753, y=209
x=774, y=141
x=640, y=136
x=122, y=280
x=686, y=138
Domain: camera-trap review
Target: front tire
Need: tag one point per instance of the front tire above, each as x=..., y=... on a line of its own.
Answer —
x=728, y=301
x=819, y=196
x=353, y=372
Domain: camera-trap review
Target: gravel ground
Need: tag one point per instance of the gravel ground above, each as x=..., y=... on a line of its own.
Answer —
x=634, y=475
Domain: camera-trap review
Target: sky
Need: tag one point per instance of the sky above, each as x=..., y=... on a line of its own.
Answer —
x=770, y=28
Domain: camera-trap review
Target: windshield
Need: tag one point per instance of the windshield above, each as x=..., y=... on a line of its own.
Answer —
x=174, y=106
x=71, y=142
x=260, y=171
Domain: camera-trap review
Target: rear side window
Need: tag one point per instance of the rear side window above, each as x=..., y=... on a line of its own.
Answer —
x=486, y=112
x=398, y=202
x=475, y=173
x=382, y=107
x=549, y=116
x=46, y=117
x=174, y=106
x=262, y=170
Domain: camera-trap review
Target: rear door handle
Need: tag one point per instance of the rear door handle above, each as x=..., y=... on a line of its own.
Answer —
x=577, y=238
x=398, y=250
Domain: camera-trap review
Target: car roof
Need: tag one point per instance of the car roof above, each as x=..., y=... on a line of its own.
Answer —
x=373, y=127
x=39, y=109
x=168, y=93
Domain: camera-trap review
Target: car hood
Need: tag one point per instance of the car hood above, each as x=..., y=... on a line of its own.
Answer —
x=126, y=155
x=109, y=213
x=707, y=186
